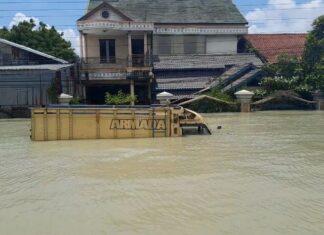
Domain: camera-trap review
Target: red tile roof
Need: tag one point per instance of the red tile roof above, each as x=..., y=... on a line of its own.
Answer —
x=270, y=46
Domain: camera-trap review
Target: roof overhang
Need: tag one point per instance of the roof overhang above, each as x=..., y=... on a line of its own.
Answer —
x=51, y=67
x=9, y=43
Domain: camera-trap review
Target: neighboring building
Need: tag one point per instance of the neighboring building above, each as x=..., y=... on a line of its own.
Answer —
x=144, y=47
x=26, y=74
x=270, y=46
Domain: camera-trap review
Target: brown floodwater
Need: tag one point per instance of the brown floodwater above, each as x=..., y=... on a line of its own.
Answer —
x=262, y=173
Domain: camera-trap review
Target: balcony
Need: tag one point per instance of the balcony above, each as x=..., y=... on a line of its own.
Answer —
x=112, y=68
x=114, y=64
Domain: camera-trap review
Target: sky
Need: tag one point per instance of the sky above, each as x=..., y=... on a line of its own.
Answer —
x=264, y=16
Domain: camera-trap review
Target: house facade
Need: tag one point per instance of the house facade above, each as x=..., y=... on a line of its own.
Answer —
x=143, y=47
x=26, y=75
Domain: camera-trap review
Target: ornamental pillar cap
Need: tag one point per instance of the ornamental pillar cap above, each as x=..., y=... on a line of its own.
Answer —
x=164, y=97
x=244, y=96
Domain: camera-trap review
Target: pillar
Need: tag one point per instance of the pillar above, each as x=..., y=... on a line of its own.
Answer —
x=319, y=99
x=85, y=45
x=149, y=90
x=245, y=98
x=81, y=44
x=130, y=54
x=132, y=90
x=145, y=50
x=145, y=44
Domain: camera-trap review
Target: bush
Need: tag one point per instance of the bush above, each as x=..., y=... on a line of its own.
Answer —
x=278, y=84
x=271, y=85
x=221, y=95
x=304, y=91
x=76, y=100
x=119, y=99
x=286, y=66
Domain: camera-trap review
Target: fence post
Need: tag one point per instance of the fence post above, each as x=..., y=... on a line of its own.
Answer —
x=245, y=98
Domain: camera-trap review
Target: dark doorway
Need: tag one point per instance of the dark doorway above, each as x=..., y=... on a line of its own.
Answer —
x=138, y=52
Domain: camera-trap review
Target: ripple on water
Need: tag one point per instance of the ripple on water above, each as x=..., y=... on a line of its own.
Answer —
x=263, y=173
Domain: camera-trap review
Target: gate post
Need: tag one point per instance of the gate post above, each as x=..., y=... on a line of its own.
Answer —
x=245, y=98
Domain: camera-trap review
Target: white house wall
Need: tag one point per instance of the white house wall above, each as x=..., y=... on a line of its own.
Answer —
x=194, y=44
x=221, y=44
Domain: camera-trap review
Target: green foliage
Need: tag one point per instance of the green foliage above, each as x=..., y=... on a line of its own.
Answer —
x=314, y=55
x=314, y=48
x=278, y=84
x=302, y=76
x=260, y=93
x=119, y=99
x=76, y=100
x=272, y=85
x=287, y=67
x=221, y=95
x=41, y=38
x=208, y=106
x=53, y=92
x=304, y=91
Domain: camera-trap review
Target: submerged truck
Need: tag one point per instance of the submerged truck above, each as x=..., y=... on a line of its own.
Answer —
x=113, y=122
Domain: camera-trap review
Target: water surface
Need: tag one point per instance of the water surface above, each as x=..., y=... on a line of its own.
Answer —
x=263, y=173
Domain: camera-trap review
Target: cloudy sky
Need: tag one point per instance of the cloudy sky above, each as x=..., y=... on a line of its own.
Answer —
x=264, y=16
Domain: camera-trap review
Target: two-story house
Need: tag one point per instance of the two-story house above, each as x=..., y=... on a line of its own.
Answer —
x=143, y=47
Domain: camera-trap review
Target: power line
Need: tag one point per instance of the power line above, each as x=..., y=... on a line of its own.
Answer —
x=85, y=1
x=75, y=9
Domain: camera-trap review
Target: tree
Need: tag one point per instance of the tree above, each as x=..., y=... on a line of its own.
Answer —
x=286, y=66
x=42, y=38
x=314, y=55
x=301, y=76
x=314, y=48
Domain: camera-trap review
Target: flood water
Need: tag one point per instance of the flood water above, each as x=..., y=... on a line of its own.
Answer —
x=263, y=173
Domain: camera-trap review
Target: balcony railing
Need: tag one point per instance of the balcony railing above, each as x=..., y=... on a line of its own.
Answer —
x=135, y=61
x=141, y=61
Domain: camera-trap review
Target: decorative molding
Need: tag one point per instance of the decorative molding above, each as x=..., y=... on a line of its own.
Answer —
x=127, y=26
x=169, y=29
x=107, y=76
x=200, y=30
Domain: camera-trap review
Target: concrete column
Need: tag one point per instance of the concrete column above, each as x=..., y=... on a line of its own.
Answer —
x=132, y=90
x=319, y=98
x=130, y=54
x=85, y=53
x=81, y=44
x=145, y=44
x=145, y=49
x=245, y=98
x=150, y=91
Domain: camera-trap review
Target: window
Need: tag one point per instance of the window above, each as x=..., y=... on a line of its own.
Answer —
x=194, y=44
x=105, y=14
x=163, y=45
x=107, y=51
